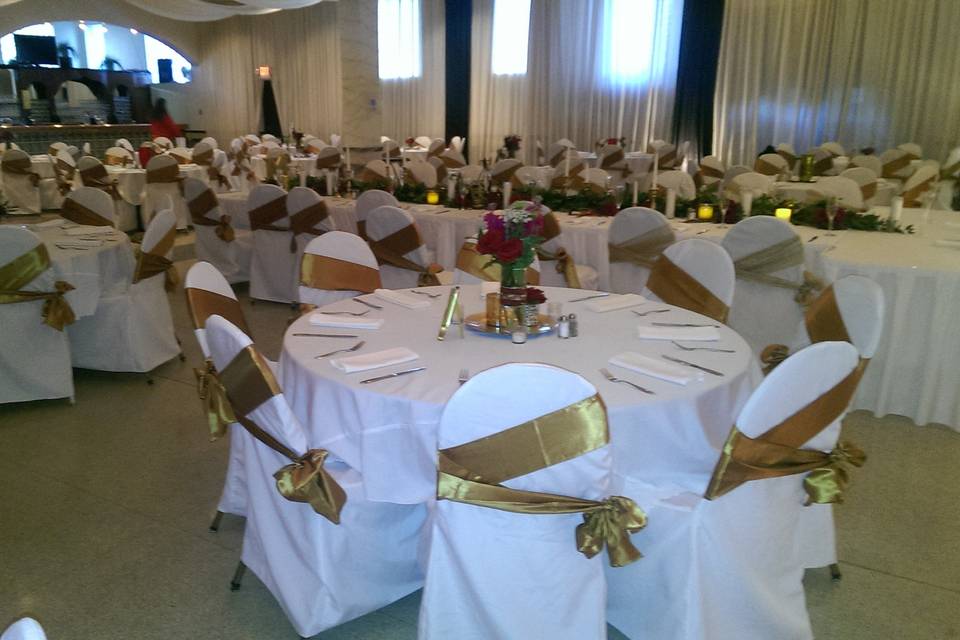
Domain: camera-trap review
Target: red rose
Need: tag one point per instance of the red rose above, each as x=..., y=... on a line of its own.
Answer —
x=490, y=242
x=535, y=296
x=510, y=250
x=612, y=141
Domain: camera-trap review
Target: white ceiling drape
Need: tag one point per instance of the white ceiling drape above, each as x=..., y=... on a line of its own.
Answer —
x=861, y=72
x=205, y=10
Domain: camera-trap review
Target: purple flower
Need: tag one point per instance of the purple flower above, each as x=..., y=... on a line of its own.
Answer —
x=493, y=222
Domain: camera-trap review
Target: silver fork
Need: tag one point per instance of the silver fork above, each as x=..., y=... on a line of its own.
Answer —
x=612, y=378
x=464, y=376
x=425, y=293
x=646, y=313
x=347, y=350
x=346, y=313
x=714, y=349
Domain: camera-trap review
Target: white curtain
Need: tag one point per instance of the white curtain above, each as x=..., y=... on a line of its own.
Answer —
x=597, y=69
x=862, y=72
x=416, y=106
x=302, y=49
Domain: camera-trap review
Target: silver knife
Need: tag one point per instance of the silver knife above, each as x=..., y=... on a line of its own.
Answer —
x=392, y=375
x=369, y=304
x=690, y=364
x=599, y=295
x=682, y=324
x=324, y=335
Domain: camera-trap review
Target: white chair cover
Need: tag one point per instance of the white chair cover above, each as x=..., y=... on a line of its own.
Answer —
x=866, y=181
x=917, y=185
x=34, y=357
x=423, y=141
x=456, y=143
x=384, y=221
x=846, y=191
x=763, y=314
x=96, y=200
x=728, y=567
x=304, y=207
x=666, y=154
x=273, y=266
x=339, y=245
x=157, y=192
x=711, y=173
x=24, y=629
x=125, y=144
x=536, y=175
x=18, y=180
x=118, y=156
x=125, y=214
x=868, y=162
x=833, y=148
x=132, y=331
x=210, y=141
x=66, y=167
x=367, y=202
x=680, y=181
x=322, y=574
x=183, y=155
x=895, y=164
x=231, y=258
x=912, y=148
x=496, y=574
x=733, y=172
x=771, y=164
x=757, y=183
x=471, y=173
x=707, y=263
x=550, y=277
x=164, y=143
x=628, y=224
x=597, y=177
x=422, y=172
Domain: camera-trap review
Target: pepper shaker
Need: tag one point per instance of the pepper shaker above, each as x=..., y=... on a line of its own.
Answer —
x=574, y=325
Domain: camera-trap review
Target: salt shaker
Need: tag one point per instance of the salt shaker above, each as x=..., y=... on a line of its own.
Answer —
x=563, y=327
x=574, y=325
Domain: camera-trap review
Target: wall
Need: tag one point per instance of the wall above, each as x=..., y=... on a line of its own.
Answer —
x=126, y=47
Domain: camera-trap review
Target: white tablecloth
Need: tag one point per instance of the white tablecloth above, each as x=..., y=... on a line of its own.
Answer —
x=387, y=430
x=305, y=165
x=886, y=189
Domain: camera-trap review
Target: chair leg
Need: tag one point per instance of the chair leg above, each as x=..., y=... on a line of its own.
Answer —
x=182, y=356
x=238, y=576
x=215, y=524
x=835, y=574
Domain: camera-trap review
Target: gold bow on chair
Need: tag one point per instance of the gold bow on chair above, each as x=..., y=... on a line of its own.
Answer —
x=826, y=483
x=773, y=356
x=759, y=266
x=56, y=311
x=213, y=398
x=333, y=274
x=202, y=205
x=471, y=473
x=150, y=263
x=644, y=249
x=304, y=480
x=391, y=250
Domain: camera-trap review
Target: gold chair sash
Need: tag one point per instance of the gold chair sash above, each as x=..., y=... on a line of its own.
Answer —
x=950, y=170
x=557, y=158
x=332, y=274
x=306, y=220
x=203, y=204
x=20, y=167
x=789, y=157
x=164, y=174
x=213, y=399
x=153, y=262
x=204, y=158
x=777, y=452
x=328, y=160
x=665, y=160
x=675, y=286
x=895, y=166
x=117, y=161
x=264, y=216
x=481, y=266
x=25, y=268
x=759, y=265
x=565, y=265
x=248, y=383
x=392, y=249
x=471, y=473
x=203, y=304
x=711, y=172
x=69, y=171
x=868, y=190
x=96, y=176
x=766, y=168
x=644, y=249
x=822, y=165
x=75, y=212
x=508, y=174
x=911, y=196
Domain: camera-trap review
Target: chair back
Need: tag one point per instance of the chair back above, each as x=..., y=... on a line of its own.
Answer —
x=680, y=181
x=951, y=166
x=420, y=172
x=250, y=140
x=308, y=214
x=160, y=170
x=733, y=172
x=835, y=149
x=164, y=143
x=202, y=154
x=710, y=173
x=209, y=293
x=846, y=191
x=24, y=629
x=89, y=206
x=118, y=156
x=505, y=171
x=267, y=209
x=637, y=237
x=315, y=145
x=757, y=183
x=436, y=147
x=866, y=181
x=919, y=184
x=771, y=164
x=391, y=149
x=210, y=141
x=441, y=168
x=822, y=161
x=596, y=178
x=328, y=158
x=456, y=143
x=335, y=266
x=914, y=150
x=395, y=230
x=557, y=153
x=868, y=162
x=850, y=310
x=20, y=181
x=708, y=265
x=183, y=155
x=123, y=143
x=453, y=158
x=367, y=202
x=665, y=152
x=786, y=151
x=895, y=163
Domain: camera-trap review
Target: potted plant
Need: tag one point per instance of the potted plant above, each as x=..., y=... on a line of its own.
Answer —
x=111, y=64
x=65, y=52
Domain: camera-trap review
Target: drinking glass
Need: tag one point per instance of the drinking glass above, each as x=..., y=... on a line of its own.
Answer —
x=831, y=214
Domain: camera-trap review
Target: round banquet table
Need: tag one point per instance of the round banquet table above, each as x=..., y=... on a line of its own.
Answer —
x=387, y=430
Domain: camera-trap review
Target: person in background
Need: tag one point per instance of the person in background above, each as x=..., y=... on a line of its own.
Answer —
x=161, y=124
x=145, y=152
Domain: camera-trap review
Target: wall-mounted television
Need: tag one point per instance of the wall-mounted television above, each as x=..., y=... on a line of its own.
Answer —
x=35, y=49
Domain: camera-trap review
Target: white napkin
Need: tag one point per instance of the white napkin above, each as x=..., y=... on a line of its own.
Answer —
x=346, y=322
x=696, y=334
x=408, y=300
x=652, y=367
x=614, y=303
x=88, y=230
x=385, y=358
x=952, y=244
x=79, y=243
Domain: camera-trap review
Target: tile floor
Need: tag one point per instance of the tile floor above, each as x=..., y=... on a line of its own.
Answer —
x=104, y=509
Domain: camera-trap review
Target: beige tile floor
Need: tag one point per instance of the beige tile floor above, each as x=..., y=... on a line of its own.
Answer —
x=104, y=509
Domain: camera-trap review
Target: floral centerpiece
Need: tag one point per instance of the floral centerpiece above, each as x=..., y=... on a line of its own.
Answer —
x=620, y=142
x=411, y=142
x=511, y=238
x=511, y=144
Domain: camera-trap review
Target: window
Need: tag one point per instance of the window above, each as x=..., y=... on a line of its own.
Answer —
x=628, y=30
x=95, y=43
x=8, y=49
x=511, y=33
x=157, y=50
x=398, y=38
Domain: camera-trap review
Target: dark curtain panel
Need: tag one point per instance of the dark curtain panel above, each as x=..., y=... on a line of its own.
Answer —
x=697, y=74
x=268, y=107
x=459, y=14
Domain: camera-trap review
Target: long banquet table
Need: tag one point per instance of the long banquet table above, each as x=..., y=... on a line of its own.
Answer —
x=387, y=430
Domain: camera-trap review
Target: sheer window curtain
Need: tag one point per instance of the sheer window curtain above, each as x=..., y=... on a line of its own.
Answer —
x=863, y=72
x=576, y=85
x=416, y=106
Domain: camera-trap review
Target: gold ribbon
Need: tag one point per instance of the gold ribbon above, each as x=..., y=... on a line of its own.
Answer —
x=75, y=212
x=789, y=253
x=868, y=190
x=666, y=160
x=96, y=176
x=777, y=452
x=269, y=212
x=950, y=170
x=328, y=159
x=773, y=356
x=248, y=383
x=675, y=286
x=25, y=268
x=789, y=157
x=507, y=174
x=558, y=157
x=153, y=262
x=482, y=266
x=305, y=221
x=163, y=174
x=115, y=160
x=893, y=167
x=471, y=473
x=766, y=168
x=911, y=196
x=68, y=170
x=644, y=249
x=20, y=167
x=203, y=304
x=392, y=249
x=205, y=202
x=213, y=398
x=822, y=165
x=565, y=265
x=204, y=158
x=333, y=274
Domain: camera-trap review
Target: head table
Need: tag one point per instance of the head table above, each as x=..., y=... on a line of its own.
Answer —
x=387, y=430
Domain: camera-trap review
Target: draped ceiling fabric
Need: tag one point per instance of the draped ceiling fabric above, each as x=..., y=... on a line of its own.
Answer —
x=863, y=72
x=414, y=107
x=566, y=92
x=301, y=47
x=205, y=10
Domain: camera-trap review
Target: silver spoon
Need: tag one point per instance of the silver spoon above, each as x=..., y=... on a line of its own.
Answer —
x=714, y=349
x=347, y=350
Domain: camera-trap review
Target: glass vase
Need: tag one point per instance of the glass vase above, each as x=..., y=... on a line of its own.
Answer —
x=513, y=285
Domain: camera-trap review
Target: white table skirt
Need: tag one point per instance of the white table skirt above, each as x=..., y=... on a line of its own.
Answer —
x=387, y=430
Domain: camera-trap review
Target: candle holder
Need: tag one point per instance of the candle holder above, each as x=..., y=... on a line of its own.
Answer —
x=705, y=212
x=433, y=197
x=783, y=213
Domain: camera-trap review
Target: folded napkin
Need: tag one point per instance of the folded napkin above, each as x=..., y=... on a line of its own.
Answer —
x=50, y=224
x=385, y=358
x=86, y=230
x=614, y=302
x=952, y=244
x=696, y=334
x=408, y=300
x=346, y=322
x=652, y=367
x=79, y=243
